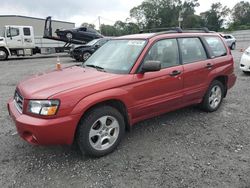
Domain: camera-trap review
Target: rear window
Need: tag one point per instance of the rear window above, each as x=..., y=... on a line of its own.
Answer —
x=216, y=45
x=26, y=31
x=192, y=50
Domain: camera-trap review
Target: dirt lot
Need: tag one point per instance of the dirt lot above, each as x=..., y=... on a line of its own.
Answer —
x=186, y=148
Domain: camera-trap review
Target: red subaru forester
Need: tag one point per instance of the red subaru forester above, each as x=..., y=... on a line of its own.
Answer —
x=129, y=79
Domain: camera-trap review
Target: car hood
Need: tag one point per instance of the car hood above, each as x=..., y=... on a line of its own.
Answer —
x=46, y=85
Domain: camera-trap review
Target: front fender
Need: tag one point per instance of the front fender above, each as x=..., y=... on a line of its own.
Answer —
x=96, y=98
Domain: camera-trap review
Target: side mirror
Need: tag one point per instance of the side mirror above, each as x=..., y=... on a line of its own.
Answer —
x=151, y=66
x=97, y=46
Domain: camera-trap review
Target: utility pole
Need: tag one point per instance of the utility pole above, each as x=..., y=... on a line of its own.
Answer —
x=99, y=21
x=180, y=19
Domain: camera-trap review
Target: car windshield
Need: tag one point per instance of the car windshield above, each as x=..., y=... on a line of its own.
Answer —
x=92, y=42
x=116, y=56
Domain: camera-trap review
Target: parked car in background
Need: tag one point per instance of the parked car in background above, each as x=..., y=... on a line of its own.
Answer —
x=245, y=61
x=82, y=53
x=230, y=40
x=130, y=79
x=81, y=34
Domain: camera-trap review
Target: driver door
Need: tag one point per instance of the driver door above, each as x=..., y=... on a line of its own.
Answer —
x=14, y=38
x=158, y=92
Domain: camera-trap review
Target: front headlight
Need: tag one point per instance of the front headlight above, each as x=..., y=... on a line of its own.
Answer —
x=43, y=107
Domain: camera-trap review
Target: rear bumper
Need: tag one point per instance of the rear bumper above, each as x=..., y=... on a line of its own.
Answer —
x=57, y=131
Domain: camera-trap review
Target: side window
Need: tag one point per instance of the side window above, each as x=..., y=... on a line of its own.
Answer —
x=26, y=31
x=216, y=45
x=12, y=32
x=165, y=51
x=82, y=29
x=192, y=50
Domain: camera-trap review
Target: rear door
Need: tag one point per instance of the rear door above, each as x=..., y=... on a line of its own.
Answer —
x=161, y=91
x=219, y=52
x=28, y=38
x=197, y=67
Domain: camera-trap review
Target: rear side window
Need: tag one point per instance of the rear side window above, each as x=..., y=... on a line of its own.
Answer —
x=26, y=31
x=216, y=45
x=165, y=51
x=192, y=50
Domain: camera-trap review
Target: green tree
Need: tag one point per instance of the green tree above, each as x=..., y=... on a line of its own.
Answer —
x=241, y=14
x=108, y=30
x=88, y=25
x=190, y=20
x=165, y=13
x=215, y=17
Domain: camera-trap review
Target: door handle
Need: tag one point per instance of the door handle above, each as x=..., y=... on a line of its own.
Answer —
x=209, y=66
x=19, y=40
x=175, y=73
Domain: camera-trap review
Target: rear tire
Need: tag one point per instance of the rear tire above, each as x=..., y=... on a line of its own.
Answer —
x=213, y=97
x=69, y=36
x=100, y=131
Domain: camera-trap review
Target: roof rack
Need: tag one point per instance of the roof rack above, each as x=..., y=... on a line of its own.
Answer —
x=164, y=29
x=196, y=30
x=159, y=31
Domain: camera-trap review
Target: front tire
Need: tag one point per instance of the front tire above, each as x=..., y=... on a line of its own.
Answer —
x=85, y=56
x=213, y=97
x=100, y=131
x=3, y=54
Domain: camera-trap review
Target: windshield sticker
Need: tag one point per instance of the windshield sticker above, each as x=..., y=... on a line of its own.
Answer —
x=136, y=42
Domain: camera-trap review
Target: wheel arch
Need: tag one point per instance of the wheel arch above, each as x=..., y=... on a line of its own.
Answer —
x=6, y=49
x=115, y=103
x=223, y=79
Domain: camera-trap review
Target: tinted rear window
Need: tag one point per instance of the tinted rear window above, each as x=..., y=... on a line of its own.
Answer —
x=216, y=45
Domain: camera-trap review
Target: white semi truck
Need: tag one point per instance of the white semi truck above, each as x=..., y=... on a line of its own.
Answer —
x=20, y=41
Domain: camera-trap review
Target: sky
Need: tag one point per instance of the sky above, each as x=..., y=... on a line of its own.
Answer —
x=79, y=11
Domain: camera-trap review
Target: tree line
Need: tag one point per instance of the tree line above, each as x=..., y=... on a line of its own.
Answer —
x=166, y=13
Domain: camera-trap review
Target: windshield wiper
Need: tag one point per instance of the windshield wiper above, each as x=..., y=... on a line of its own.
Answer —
x=96, y=67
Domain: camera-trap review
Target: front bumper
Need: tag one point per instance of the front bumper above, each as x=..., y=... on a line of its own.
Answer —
x=56, y=131
x=245, y=63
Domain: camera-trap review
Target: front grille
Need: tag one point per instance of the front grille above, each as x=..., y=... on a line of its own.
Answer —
x=18, y=101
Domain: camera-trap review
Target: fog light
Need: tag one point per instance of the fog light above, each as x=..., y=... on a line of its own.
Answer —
x=29, y=137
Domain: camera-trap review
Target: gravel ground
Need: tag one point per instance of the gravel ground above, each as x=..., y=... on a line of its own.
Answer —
x=185, y=148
